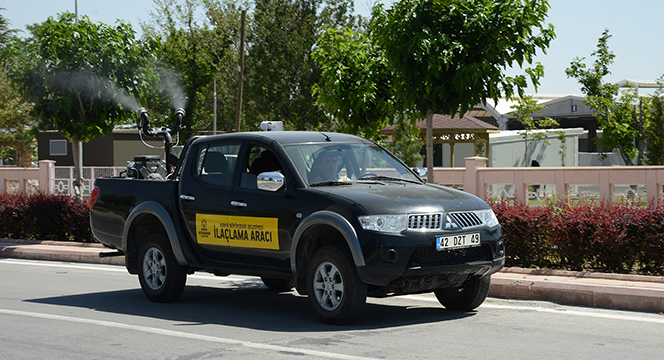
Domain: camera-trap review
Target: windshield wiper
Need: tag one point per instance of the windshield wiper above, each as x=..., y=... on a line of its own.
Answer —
x=331, y=183
x=382, y=177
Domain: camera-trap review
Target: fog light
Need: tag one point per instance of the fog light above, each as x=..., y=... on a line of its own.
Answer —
x=500, y=248
x=389, y=255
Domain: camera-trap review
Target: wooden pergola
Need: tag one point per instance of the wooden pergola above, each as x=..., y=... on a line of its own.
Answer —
x=455, y=130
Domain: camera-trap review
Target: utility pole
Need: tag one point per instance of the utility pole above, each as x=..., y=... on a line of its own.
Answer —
x=77, y=151
x=238, y=109
x=214, y=110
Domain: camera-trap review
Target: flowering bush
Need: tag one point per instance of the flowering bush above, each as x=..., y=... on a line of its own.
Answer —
x=44, y=217
x=611, y=238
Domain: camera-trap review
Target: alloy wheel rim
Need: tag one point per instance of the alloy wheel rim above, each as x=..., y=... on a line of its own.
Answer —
x=154, y=268
x=328, y=286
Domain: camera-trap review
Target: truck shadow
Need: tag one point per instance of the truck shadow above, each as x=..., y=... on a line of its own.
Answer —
x=252, y=306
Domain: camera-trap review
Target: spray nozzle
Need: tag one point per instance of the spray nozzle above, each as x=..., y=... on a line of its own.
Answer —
x=179, y=114
x=144, y=122
x=141, y=111
x=142, y=114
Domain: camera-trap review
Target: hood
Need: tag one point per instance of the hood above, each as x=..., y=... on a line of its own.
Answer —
x=392, y=197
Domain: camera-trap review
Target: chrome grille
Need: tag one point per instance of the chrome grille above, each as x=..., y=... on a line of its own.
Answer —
x=425, y=221
x=466, y=219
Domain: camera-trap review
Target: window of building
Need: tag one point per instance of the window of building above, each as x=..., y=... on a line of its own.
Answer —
x=58, y=147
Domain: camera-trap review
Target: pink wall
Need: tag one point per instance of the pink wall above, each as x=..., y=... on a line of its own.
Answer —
x=476, y=177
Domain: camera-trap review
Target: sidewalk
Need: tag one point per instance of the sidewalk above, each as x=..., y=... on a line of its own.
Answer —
x=57, y=251
x=611, y=291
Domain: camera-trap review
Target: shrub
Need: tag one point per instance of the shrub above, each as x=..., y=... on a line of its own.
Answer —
x=613, y=238
x=44, y=217
x=526, y=233
x=651, y=234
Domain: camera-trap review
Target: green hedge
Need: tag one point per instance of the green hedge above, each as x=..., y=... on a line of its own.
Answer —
x=44, y=217
x=585, y=237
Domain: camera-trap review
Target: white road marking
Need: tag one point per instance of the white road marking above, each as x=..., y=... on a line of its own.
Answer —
x=44, y=263
x=659, y=320
x=184, y=335
x=112, y=268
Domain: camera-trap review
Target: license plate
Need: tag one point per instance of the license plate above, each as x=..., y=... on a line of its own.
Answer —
x=457, y=241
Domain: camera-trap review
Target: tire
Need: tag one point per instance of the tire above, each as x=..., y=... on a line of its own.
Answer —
x=279, y=285
x=333, y=286
x=467, y=297
x=161, y=278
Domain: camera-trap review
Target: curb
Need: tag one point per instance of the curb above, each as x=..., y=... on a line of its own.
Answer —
x=605, y=292
x=585, y=275
x=67, y=251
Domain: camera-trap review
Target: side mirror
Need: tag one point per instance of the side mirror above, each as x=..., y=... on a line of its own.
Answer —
x=270, y=181
x=422, y=173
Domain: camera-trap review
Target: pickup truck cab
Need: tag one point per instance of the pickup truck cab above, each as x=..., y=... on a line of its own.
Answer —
x=336, y=216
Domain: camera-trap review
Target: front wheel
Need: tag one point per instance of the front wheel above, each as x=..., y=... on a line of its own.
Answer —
x=333, y=286
x=467, y=297
x=161, y=278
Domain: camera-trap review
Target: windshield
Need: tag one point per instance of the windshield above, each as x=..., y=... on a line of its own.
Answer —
x=335, y=164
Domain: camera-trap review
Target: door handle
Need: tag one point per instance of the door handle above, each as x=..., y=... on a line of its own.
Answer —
x=238, y=203
x=187, y=197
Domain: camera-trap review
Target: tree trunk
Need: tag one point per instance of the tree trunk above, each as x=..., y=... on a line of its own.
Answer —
x=77, y=152
x=526, y=144
x=625, y=157
x=429, y=141
x=641, y=139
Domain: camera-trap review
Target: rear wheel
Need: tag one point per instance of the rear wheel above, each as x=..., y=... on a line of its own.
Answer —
x=279, y=285
x=161, y=278
x=334, y=287
x=467, y=297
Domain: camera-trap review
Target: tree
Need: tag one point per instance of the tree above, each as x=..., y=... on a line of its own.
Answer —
x=355, y=82
x=524, y=109
x=16, y=122
x=406, y=143
x=617, y=117
x=280, y=70
x=76, y=73
x=15, y=119
x=5, y=32
x=194, y=55
x=654, y=154
x=450, y=55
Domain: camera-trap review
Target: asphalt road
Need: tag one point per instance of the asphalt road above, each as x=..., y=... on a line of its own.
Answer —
x=51, y=310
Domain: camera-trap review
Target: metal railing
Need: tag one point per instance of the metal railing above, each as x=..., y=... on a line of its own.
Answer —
x=50, y=179
x=64, y=178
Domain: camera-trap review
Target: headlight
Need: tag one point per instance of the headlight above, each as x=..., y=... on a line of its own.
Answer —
x=385, y=223
x=487, y=217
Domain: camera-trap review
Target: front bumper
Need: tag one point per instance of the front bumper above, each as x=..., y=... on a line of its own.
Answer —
x=416, y=280
x=421, y=268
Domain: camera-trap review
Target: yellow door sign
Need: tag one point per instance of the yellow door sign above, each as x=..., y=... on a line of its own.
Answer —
x=237, y=231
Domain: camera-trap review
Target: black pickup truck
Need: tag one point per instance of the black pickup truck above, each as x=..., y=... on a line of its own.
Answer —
x=336, y=216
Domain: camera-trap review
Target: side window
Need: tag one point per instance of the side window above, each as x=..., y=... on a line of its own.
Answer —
x=262, y=170
x=216, y=163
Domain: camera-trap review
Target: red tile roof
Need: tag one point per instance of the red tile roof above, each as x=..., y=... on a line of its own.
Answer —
x=446, y=122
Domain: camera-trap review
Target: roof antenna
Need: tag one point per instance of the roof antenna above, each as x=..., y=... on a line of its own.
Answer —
x=327, y=138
